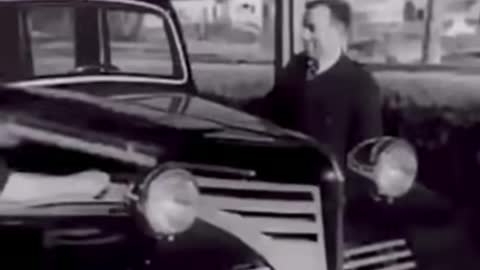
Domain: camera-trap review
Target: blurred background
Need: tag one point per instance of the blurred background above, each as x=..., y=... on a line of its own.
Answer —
x=236, y=38
x=425, y=55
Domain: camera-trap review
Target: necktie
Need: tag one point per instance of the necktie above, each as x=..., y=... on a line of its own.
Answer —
x=312, y=68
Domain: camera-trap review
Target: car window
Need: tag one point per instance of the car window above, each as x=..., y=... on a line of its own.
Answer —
x=132, y=41
x=416, y=31
x=230, y=45
x=139, y=43
x=52, y=38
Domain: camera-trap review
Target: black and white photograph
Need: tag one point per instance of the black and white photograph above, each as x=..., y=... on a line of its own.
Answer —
x=240, y=134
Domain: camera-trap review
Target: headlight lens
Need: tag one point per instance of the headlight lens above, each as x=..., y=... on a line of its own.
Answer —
x=170, y=203
x=395, y=169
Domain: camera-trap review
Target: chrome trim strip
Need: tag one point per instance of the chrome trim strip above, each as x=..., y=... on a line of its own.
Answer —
x=256, y=205
x=384, y=258
x=374, y=247
x=401, y=266
x=245, y=173
x=126, y=155
x=258, y=184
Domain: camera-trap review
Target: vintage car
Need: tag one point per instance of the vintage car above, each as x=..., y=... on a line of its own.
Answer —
x=185, y=192
x=250, y=195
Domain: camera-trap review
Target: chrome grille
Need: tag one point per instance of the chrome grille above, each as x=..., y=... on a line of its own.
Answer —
x=387, y=255
x=288, y=215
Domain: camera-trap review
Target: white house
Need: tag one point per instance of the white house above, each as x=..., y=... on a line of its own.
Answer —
x=247, y=14
x=196, y=11
x=378, y=11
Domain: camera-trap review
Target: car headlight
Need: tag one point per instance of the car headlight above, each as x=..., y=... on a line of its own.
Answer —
x=169, y=201
x=391, y=163
x=395, y=168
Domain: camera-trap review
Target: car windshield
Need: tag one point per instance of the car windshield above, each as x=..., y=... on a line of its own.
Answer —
x=100, y=39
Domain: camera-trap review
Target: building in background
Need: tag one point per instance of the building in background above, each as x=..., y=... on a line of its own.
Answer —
x=197, y=11
x=395, y=30
x=248, y=22
x=247, y=15
x=386, y=30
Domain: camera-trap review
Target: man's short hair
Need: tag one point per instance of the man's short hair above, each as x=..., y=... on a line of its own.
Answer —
x=340, y=9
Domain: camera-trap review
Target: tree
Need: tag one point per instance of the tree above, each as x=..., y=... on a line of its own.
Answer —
x=409, y=12
x=431, y=47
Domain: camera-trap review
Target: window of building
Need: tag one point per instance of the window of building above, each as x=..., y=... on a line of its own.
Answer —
x=230, y=45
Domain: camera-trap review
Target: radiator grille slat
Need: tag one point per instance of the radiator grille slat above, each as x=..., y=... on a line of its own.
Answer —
x=375, y=247
x=387, y=255
x=254, y=205
x=251, y=185
x=284, y=225
x=289, y=215
x=402, y=266
x=382, y=258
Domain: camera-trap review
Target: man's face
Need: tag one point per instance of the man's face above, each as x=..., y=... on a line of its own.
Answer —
x=317, y=27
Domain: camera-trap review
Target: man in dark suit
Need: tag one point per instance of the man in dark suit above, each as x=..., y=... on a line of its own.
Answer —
x=322, y=92
x=330, y=97
x=325, y=94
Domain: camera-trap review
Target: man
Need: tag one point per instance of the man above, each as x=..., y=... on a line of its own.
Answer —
x=322, y=92
x=328, y=96
x=342, y=101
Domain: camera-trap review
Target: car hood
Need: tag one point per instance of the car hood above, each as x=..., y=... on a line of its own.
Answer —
x=130, y=131
x=232, y=120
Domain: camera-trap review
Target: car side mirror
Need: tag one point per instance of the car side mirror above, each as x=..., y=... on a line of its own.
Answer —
x=391, y=163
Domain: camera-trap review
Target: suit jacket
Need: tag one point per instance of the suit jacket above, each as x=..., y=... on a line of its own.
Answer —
x=341, y=113
x=339, y=110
